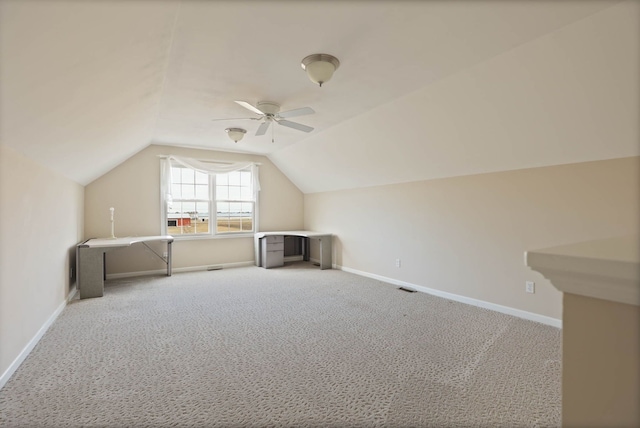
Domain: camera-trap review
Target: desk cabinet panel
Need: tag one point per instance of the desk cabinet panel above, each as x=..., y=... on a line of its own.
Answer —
x=273, y=251
x=274, y=259
x=275, y=239
x=275, y=247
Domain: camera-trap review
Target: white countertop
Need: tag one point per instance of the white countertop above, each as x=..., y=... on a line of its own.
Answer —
x=124, y=241
x=607, y=269
x=307, y=233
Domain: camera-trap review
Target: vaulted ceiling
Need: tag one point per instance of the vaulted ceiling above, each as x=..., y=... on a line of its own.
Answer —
x=424, y=90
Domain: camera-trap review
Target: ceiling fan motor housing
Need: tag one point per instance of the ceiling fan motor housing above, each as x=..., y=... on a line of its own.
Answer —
x=268, y=107
x=269, y=112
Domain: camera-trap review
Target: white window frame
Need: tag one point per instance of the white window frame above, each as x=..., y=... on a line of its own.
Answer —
x=212, y=201
x=215, y=200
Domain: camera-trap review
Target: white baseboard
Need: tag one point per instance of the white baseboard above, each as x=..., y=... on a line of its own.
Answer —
x=178, y=270
x=554, y=322
x=29, y=347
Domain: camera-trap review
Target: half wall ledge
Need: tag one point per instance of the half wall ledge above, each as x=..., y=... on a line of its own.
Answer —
x=607, y=269
x=600, y=281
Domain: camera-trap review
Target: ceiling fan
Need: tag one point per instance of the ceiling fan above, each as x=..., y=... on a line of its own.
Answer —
x=270, y=112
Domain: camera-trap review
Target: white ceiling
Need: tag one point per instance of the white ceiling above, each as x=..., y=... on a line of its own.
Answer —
x=87, y=84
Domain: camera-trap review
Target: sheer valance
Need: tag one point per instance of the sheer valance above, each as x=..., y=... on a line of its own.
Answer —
x=210, y=168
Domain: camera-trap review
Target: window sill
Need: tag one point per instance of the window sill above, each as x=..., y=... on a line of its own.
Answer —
x=220, y=236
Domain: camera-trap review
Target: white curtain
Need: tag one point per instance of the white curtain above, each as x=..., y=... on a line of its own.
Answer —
x=206, y=168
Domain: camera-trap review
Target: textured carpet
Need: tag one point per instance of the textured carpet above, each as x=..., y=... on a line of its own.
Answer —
x=293, y=346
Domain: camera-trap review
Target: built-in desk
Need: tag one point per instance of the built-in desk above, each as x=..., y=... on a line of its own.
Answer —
x=90, y=260
x=269, y=247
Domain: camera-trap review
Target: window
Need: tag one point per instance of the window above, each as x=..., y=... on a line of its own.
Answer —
x=205, y=202
x=234, y=202
x=188, y=211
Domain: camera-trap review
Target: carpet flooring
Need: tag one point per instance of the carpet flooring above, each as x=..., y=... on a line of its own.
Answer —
x=286, y=347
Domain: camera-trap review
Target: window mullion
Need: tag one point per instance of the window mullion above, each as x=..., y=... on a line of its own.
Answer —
x=213, y=206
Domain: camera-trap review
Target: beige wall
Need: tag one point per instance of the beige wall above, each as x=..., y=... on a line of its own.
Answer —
x=133, y=189
x=600, y=363
x=42, y=221
x=467, y=235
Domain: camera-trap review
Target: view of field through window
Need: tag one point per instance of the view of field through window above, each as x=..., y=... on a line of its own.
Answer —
x=193, y=195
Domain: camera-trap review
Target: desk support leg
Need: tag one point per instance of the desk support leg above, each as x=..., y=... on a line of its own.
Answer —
x=90, y=272
x=306, y=249
x=168, y=258
x=325, y=252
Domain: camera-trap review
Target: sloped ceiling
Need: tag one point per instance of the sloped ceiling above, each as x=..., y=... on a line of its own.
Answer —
x=425, y=89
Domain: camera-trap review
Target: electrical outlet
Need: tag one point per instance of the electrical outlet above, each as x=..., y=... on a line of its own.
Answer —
x=397, y=263
x=530, y=287
x=165, y=254
x=70, y=272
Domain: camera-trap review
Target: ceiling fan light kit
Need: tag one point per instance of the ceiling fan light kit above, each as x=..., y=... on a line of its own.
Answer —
x=320, y=67
x=236, y=134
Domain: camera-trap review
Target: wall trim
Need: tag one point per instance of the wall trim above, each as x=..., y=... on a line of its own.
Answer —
x=554, y=322
x=178, y=270
x=30, y=345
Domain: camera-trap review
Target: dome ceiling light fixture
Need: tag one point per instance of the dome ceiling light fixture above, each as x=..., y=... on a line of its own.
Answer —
x=320, y=67
x=235, y=134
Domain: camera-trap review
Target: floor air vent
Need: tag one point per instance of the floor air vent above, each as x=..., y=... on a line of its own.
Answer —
x=408, y=290
x=214, y=267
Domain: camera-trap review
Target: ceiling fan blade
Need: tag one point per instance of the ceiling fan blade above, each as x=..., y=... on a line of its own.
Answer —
x=236, y=118
x=295, y=125
x=297, y=112
x=262, y=129
x=250, y=107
